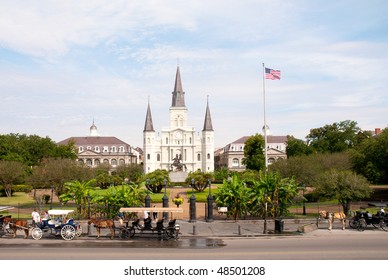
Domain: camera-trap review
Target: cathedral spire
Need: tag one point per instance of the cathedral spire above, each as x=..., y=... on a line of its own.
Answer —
x=208, y=125
x=178, y=95
x=148, y=126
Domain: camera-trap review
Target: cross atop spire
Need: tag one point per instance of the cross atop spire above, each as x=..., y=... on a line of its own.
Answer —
x=178, y=95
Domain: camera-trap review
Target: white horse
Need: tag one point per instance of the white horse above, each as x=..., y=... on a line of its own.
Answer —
x=331, y=216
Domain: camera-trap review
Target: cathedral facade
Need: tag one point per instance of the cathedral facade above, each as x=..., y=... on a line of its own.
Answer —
x=178, y=147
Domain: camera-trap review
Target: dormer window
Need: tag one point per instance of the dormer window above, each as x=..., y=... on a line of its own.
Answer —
x=121, y=149
x=97, y=149
x=113, y=149
x=105, y=149
x=80, y=149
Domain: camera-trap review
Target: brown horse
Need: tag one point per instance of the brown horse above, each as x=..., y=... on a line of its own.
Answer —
x=15, y=224
x=103, y=223
x=331, y=216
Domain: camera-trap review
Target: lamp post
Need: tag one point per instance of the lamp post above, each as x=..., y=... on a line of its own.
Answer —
x=165, y=200
x=52, y=194
x=193, y=209
x=88, y=198
x=147, y=201
x=209, y=203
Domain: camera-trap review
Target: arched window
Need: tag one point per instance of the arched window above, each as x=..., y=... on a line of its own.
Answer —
x=235, y=162
x=208, y=156
x=198, y=157
x=121, y=149
x=80, y=161
x=106, y=161
x=80, y=149
x=96, y=162
x=158, y=157
x=113, y=149
x=122, y=162
x=89, y=162
x=148, y=156
x=97, y=149
x=114, y=162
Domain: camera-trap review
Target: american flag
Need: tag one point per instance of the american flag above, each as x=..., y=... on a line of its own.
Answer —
x=272, y=74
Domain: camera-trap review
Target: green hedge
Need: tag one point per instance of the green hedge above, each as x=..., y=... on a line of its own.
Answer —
x=16, y=188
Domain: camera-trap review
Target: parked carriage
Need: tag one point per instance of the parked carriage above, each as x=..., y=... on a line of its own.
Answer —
x=169, y=231
x=363, y=219
x=59, y=225
x=4, y=227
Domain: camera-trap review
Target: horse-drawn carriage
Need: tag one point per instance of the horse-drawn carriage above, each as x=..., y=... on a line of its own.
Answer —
x=57, y=224
x=4, y=225
x=169, y=231
x=363, y=218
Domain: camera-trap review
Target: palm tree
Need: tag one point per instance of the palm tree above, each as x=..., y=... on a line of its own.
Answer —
x=235, y=195
x=79, y=192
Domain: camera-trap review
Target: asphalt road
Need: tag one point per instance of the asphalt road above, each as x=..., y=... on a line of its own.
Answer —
x=317, y=245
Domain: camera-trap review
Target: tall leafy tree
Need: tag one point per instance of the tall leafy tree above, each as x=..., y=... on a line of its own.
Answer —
x=131, y=172
x=32, y=149
x=254, y=153
x=11, y=172
x=308, y=169
x=297, y=147
x=345, y=186
x=336, y=137
x=370, y=158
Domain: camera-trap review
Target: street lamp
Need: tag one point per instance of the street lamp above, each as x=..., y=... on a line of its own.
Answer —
x=193, y=209
x=209, y=203
x=147, y=201
x=165, y=200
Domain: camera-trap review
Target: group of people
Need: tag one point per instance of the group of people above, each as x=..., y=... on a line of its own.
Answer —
x=120, y=216
x=37, y=218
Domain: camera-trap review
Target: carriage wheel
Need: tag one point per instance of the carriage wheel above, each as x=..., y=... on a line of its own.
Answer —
x=8, y=229
x=127, y=233
x=78, y=232
x=68, y=232
x=362, y=225
x=353, y=223
x=37, y=233
x=124, y=233
x=383, y=226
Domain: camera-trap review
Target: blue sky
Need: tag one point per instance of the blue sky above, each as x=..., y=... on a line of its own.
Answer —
x=65, y=63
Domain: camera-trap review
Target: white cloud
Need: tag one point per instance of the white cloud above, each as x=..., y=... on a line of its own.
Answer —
x=64, y=63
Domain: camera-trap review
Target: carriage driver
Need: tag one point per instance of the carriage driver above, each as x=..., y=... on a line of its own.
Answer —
x=35, y=217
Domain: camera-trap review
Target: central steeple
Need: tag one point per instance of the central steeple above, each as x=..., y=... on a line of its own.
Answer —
x=178, y=95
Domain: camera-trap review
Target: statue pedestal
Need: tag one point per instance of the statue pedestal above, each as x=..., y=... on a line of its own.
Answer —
x=178, y=176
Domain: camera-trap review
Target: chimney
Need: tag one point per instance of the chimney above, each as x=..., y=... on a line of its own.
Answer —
x=377, y=131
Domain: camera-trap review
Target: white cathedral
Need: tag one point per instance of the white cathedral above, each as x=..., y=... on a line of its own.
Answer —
x=178, y=147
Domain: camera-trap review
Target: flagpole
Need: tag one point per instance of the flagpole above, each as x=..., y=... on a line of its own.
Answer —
x=265, y=123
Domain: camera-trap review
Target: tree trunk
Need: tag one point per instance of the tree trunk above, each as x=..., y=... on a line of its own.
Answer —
x=8, y=190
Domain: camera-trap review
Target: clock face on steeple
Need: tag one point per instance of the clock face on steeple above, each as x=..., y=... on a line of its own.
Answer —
x=178, y=135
